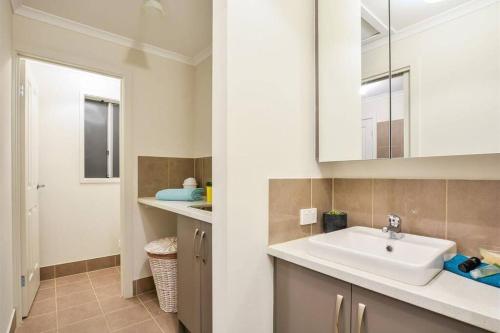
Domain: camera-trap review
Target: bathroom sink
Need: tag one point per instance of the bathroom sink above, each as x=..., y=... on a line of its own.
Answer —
x=410, y=259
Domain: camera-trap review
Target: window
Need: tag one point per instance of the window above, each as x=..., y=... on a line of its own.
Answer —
x=101, y=141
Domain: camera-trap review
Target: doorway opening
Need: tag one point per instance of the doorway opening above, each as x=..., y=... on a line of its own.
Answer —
x=70, y=138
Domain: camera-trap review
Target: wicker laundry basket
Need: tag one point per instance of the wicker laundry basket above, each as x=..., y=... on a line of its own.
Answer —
x=163, y=261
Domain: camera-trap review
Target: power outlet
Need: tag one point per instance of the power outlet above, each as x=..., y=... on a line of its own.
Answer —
x=308, y=216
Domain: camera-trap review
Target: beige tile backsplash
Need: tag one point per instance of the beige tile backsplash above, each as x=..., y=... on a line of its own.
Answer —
x=158, y=173
x=467, y=212
x=287, y=197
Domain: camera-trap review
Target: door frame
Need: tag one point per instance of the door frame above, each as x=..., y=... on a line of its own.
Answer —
x=17, y=149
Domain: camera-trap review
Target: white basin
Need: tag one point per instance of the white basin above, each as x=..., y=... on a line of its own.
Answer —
x=414, y=259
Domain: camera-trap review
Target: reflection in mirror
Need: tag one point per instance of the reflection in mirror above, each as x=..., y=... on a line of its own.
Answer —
x=375, y=96
x=448, y=52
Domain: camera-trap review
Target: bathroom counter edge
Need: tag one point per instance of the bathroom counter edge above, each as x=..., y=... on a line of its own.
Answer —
x=447, y=294
x=179, y=207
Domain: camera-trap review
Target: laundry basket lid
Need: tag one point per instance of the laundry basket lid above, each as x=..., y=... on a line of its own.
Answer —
x=167, y=245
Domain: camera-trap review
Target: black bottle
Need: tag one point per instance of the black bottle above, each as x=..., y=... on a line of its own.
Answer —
x=469, y=264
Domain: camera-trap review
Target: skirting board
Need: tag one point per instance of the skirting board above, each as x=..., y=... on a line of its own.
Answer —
x=70, y=268
x=144, y=285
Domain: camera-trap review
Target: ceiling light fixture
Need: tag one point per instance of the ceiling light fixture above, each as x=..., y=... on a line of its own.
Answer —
x=153, y=5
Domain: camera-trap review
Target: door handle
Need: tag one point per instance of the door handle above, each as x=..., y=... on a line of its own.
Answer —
x=338, y=306
x=203, y=248
x=361, y=312
x=39, y=186
x=202, y=235
x=196, y=232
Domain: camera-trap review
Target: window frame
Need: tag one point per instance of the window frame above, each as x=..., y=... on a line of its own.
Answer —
x=83, y=179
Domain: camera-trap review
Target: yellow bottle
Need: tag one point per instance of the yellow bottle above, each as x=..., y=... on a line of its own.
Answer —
x=209, y=192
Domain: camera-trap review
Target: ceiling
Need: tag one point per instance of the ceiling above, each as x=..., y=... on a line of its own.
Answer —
x=404, y=14
x=186, y=27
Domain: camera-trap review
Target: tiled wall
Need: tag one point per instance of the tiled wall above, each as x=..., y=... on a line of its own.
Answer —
x=287, y=197
x=467, y=212
x=158, y=173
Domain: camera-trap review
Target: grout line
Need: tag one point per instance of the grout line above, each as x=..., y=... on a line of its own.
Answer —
x=55, y=300
x=99, y=303
x=446, y=211
x=373, y=199
x=79, y=321
x=333, y=193
x=311, y=204
x=137, y=323
x=150, y=314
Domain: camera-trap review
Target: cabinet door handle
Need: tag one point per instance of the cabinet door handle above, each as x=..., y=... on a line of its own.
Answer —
x=203, y=251
x=338, y=306
x=361, y=312
x=202, y=235
x=196, y=232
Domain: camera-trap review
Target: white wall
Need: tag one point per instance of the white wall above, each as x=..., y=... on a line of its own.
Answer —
x=6, y=293
x=77, y=221
x=203, y=109
x=454, y=80
x=158, y=102
x=264, y=122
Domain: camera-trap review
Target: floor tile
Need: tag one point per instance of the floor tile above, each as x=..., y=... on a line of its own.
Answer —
x=71, y=279
x=153, y=307
x=167, y=322
x=47, y=284
x=106, y=271
x=44, y=294
x=144, y=327
x=78, y=313
x=148, y=296
x=104, y=280
x=75, y=299
x=43, y=307
x=126, y=317
x=108, y=291
x=93, y=325
x=38, y=324
x=73, y=288
x=110, y=304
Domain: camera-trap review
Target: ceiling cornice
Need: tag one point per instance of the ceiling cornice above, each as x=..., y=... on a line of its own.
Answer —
x=449, y=15
x=200, y=57
x=68, y=24
x=16, y=4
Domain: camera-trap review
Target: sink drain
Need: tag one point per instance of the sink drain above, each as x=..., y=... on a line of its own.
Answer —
x=388, y=248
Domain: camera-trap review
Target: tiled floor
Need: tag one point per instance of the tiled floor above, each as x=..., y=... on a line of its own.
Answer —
x=91, y=303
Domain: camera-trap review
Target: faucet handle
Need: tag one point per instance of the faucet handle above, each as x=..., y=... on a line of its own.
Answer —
x=394, y=220
x=385, y=229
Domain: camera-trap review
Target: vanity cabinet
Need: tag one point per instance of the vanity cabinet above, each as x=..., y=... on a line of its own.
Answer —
x=194, y=275
x=307, y=301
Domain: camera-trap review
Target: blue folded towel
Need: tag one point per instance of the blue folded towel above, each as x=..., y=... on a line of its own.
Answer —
x=452, y=266
x=180, y=194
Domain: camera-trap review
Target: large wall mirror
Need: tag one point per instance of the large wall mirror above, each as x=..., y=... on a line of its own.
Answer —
x=407, y=78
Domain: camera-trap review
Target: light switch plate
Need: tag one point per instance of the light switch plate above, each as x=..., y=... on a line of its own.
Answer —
x=308, y=216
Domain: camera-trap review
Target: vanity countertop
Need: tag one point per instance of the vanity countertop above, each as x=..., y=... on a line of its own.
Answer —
x=180, y=207
x=448, y=294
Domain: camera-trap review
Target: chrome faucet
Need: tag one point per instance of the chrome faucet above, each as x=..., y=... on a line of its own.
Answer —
x=394, y=226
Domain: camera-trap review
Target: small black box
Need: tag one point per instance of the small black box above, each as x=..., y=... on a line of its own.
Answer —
x=334, y=222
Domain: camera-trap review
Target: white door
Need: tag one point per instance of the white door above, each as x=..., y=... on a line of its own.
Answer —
x=30, y=260
x=368, y=140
